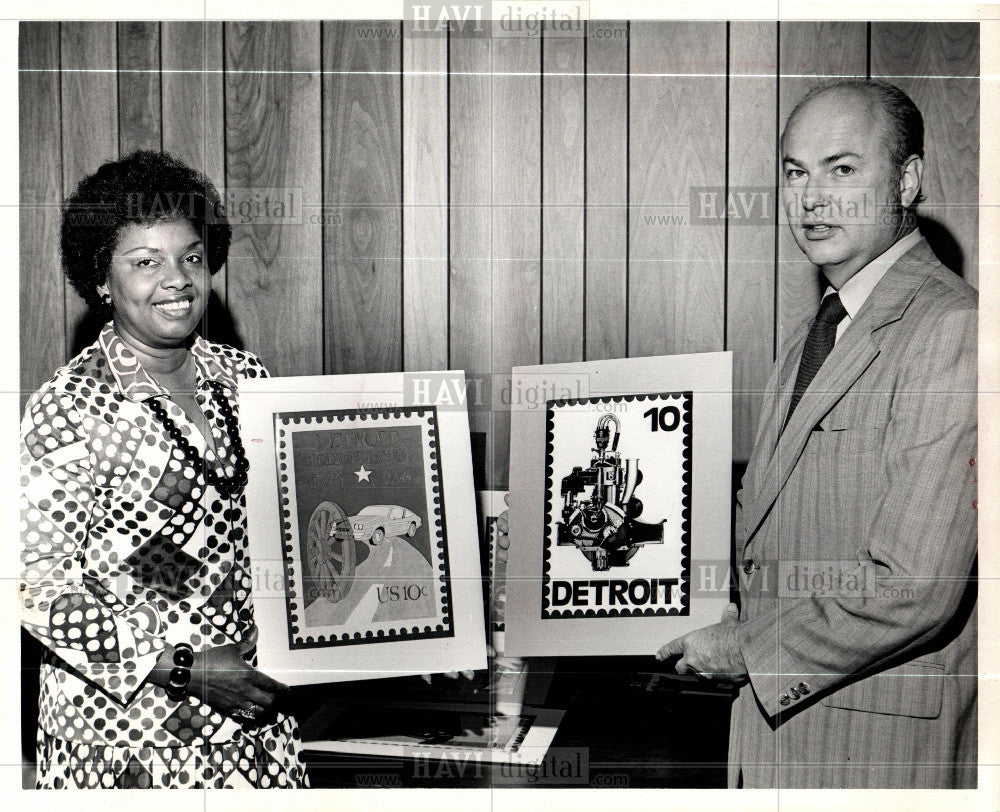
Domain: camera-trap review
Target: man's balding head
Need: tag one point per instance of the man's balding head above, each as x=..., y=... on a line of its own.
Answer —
x=851, y=157
x=901, y=121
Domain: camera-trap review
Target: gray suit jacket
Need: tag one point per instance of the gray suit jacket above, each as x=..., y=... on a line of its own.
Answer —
x=856, y=528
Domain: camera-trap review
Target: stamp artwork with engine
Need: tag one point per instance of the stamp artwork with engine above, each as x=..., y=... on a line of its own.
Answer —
x=617, y=530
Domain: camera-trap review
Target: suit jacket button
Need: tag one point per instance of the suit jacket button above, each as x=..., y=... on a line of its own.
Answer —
x=748, y=566
x=804, y=688
x=794, y=692
x=783, y=699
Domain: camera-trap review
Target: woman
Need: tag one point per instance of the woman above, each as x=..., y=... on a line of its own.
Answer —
x=135, y=570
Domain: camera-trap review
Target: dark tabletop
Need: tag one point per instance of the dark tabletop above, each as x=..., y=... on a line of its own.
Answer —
x=626, y=724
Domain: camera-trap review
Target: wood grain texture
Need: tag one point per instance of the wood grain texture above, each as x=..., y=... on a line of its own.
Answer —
x=810, y=53
x=362, y=196
x=89, y=127
x=607, y=185
x=937, y=65
x=488, y=305
x=562, y=165
x=516, y=245
x=677, y=145
x=42, y=323
x=273, y=154
x=470, y=228
x=425, y=200
x=139, y=108
x=194, y=102
x=750, y=232
x=194, y=97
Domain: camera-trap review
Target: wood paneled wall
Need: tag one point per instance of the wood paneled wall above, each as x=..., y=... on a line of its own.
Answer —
x=477, y=203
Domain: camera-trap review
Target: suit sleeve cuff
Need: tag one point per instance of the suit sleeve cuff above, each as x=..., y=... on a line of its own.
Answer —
x=776, y=689
x=758, y=643
x=141, y=651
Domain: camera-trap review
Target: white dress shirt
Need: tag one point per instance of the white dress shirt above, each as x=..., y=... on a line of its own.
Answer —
x=858, y=288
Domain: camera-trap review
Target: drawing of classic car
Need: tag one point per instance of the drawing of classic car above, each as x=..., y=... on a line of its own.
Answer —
x=375, y=522
x=331, y=537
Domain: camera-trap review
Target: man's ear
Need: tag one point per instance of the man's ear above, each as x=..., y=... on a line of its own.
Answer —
x=910, y=179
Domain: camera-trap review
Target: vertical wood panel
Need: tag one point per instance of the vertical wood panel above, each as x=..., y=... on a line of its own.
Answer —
x=89, y=125
x=515, y=267
x=469, y=167
x=607, y=182
x=194, y=124
x=378, y=319
x=938, y=66
x=194, y=101
x=273, y=149
x=42, y=328
x=139, y=110
x=425, y=200
x=677, y=144
x=810, y=53
x=362, y=195
x=562, y=113
x=750, y=232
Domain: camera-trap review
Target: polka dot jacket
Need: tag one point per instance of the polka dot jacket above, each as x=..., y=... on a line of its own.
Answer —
x=125, y=546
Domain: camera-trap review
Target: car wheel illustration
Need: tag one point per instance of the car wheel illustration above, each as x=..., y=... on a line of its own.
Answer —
x=330, y=550
x=378, y=536
x=411, y=531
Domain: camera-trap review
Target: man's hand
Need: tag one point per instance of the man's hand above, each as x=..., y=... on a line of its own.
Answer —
x=712, y=652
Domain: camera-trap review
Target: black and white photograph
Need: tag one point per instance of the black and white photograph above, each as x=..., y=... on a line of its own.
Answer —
x=492, y=505
x=437, y=735
x=390, y=374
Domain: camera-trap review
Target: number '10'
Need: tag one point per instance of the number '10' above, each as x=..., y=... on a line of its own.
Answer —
x=666, y=417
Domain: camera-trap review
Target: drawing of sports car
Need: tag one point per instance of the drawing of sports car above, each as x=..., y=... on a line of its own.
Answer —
x=375, y=522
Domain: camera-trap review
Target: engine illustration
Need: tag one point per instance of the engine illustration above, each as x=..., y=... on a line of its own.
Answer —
x=600, y=507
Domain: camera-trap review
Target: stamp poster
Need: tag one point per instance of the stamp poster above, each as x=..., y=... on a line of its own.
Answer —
x=368, y=557
x=362, y=518
x=619, y=504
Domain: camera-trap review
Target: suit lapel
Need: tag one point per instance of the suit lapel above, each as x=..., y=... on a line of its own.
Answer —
x=778, y=393
x=838, y=373
x=789, y=373
x=852, y=355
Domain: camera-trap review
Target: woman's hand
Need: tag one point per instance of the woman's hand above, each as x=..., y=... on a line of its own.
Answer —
x=221, y=677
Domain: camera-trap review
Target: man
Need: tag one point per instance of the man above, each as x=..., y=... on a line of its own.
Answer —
x=856, y=524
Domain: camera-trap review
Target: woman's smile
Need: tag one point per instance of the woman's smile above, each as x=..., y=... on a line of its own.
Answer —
x=158, y=283
x=175, y=308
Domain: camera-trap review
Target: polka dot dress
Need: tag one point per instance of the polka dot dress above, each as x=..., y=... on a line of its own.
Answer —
x=269, y=758
x=126, y=547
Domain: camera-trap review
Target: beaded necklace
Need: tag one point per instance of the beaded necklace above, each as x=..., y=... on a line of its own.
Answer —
x=227, y=486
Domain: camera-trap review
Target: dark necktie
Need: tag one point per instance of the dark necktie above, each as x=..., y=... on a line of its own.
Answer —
x=819, y=342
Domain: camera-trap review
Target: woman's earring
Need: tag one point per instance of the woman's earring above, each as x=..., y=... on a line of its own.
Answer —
x=106, y=300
